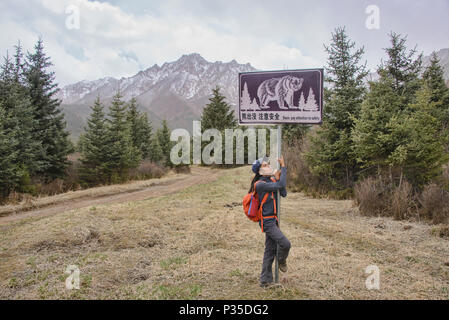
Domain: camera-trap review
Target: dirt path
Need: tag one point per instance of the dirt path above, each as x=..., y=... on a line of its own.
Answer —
x=175, y=183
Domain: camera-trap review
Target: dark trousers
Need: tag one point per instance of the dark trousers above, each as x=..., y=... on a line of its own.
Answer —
x=273, y=237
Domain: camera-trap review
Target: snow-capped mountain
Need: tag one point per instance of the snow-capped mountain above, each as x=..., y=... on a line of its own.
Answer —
x=176, y=91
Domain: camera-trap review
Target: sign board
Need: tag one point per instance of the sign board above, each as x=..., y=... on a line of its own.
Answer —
x=276, y=97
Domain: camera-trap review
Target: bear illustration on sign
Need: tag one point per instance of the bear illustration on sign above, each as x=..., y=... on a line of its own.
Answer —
x=280, y=90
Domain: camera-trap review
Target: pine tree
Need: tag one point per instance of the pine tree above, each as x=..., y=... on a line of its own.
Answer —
x=122, y=155
x=6, y=79
x=19, y=65
x=14, y=98
x=145, y=135
x=9, y=168
x=372, y=144
x=140, y=129
x=51, y=127
x=163, y=138
x=294, y=133
x=434, y=79
x=425, y=146
x=395, y=142
x=156, y=150
x=94, y=149
x=403, y=66
x=418, y=152
x=218, y=113
x=398, y=133
x=331, y=153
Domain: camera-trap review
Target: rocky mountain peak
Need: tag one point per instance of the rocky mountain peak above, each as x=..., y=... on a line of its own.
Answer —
x=176, y=91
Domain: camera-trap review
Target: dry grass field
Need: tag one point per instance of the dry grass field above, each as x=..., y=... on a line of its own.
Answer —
x=194, y=242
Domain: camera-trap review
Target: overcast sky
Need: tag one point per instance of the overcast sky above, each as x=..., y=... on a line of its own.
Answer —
x=118, y=38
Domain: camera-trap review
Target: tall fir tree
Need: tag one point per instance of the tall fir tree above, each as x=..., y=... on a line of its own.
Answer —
x=140, y=129
x=404, y=67
x=51, y=127
x=94, y=149
x=294, y=133
x=19, y=64
x=156, y=150
x=370, y=135
x=122, y=155
x=434, y=79
x=163, y=139
x=9, y=168
x=399, y=133
x=394, y=142
x=14, y=98
x=414, y=138
x=331, y=153
x=218, y=113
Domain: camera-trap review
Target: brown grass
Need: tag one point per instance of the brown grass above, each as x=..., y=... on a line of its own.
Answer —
x=402, y=201
x=147, y=170
x=198, y=244
x=371, y=195
x=434, y=203
x=300, y=178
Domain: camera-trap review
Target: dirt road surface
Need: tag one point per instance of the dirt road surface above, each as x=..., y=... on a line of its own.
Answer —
x=172, y=184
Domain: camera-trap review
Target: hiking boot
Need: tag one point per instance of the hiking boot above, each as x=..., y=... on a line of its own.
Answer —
x=268, y=285
x=283, y=266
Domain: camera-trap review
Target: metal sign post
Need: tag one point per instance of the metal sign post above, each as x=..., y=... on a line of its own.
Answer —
x=277, y=97
x=278, y=206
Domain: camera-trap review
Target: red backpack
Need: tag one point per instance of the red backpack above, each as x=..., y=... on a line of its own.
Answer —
x=253, y=207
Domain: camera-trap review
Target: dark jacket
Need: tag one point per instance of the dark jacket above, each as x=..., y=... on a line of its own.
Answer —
x=267, y=186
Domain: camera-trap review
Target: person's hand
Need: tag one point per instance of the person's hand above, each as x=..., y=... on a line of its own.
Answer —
x=281, y=161
x=277, y=175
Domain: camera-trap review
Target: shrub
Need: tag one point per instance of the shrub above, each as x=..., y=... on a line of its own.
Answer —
x=441, y=231
x=372, y=196
x=299, y=176
x=147, y=170
x=182, y=169
x=402, y=201
x=54, y=187
x=434, y=202
x=72, y=179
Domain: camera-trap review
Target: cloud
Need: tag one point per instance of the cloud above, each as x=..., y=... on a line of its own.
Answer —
x=112, y=42
x=119, y=38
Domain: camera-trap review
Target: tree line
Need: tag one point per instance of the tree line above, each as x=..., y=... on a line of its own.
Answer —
x=35, y=145
x=395, y=126
x=34, y=142
x=392, y=131
x=115, y=143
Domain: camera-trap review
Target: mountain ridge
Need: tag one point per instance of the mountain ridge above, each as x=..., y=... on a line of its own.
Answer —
x=176, y=91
